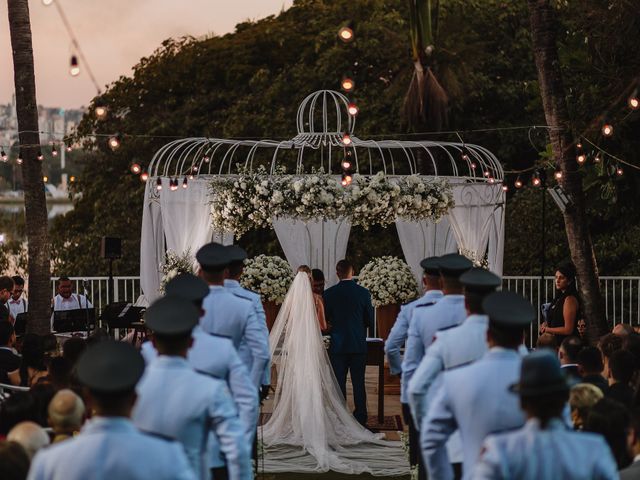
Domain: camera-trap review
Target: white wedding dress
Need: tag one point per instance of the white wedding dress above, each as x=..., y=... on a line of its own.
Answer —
x=311, y=429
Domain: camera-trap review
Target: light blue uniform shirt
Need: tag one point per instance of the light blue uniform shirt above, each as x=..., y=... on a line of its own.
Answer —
x=175, y=401
x=215, y=356
x=474, y=399
x=112, y=448
x=425, y=322
x=398, y=336
x=238, y=289
x=531, y=453
x=231, y=315
x=452, y=348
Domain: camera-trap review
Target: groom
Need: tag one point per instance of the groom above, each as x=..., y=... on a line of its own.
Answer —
x=349, y=311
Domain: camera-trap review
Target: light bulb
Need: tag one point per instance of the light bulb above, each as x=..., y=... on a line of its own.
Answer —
x=505, y=188
x=518, y=183
x=579, y=146
x=558, y=174
x=536, y=181
x=619, y=171
x=596, y=159
x=159, y=184
x=135, y=168
x=634, y=101
x=68, y=148
x=206, y=159
x=72, y=179
x=473, y=166
x=46, y=3
x=190, y=176
x=486, y=174
x=40, y=156
x=465, y=157
x=581, y=158
x=45, y=179
x=347, y=84
x=19, y=159
x=74, y=68
x=346, y=164
x=173, y=185
x=346, y=139
x=352, y=109
x=345, y=34
x=491, y=180
x=3, y=156
x=607, y=129
x=54, y=151
x=184, y=183
x=101, y=111
x=144, y=176
x=114, y=142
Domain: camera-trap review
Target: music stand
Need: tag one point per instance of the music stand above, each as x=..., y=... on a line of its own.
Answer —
x=77, y=320
x=20, y=327
x=122, y=315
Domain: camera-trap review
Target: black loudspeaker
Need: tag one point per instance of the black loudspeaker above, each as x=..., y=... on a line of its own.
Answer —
x=111, y=247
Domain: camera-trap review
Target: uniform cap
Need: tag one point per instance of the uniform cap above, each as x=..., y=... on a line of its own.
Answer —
x=454, y=265
x=236, y=253
x=430, y=266
x=213, y=255
x=187, y=286
x=172, y=316
x=480, y=280
x=540, y=374
x=110, y=367
x=508, y=309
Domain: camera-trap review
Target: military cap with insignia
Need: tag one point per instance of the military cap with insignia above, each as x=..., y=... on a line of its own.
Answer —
x=110, y=367
x=236, y=253
x=541, y=374
x=213, y=256
x=480, y=280
x=172, y=316
x=187, y=286
x=508, y=309
x=454, y=265
x=430, y=266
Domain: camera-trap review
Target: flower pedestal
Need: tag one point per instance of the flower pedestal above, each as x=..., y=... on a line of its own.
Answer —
x=385, y=319
x=271, y=310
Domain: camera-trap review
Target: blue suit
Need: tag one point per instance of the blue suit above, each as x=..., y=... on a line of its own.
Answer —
x=349, y=310
x=175, y=401
x=110, y=448
x=398, y=336
x=475, y=400
x=239, y=290
x=531, y=453
x=231, y=315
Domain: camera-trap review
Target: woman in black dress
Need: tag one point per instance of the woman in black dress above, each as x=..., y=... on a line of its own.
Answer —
x=565, y=310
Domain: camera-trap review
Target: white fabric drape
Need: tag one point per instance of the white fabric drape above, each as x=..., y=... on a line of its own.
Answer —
x=319, y=244
x=151, y=246
x=495, y=249
x=472, y=215
x=311, y=430
x=424, y=239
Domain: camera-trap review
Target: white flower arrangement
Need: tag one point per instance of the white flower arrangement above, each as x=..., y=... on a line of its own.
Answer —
x=252, y=199
x=174, y=265
x=270, y=276
x=389, y=280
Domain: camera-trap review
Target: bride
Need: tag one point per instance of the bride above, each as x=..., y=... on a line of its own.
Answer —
x=311, y=429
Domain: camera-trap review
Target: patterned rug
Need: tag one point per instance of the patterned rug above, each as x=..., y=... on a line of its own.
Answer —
x=391, y=422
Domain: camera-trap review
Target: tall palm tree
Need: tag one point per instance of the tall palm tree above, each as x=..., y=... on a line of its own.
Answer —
x=33, y=184
x=426, y=101
x=545, y=49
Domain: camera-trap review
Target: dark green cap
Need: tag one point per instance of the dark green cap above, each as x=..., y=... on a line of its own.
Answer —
x=172, y=316
x=430, y=266
x=480, y=280
x=454, y=265
x=508, y=309
x=236, y=253
x=213, y=255
x=187, y=286
x=110, y=367
x=540, y=374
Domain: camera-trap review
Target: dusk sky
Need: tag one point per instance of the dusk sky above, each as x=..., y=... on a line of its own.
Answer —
x=114, y=35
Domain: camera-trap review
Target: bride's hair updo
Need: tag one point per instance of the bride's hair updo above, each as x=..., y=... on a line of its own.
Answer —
x=305, y=268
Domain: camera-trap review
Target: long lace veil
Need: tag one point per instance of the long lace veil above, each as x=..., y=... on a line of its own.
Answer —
x=311, y=429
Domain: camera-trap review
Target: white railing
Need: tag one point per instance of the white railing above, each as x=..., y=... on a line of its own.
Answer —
x=126, y=289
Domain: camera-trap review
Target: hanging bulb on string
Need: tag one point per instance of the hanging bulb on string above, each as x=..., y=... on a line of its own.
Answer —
x=173, y=184
x=607, y=129
x=353, y=109
x=206, y=158
x=634, y=101
x=68, y=148
x=346, y=33
x=347, y=84
x=135, y=168
x=19, y=160
x=558, y=174
x=346, y=179
x=184, y=183
x=518, y=183
x=536, y=180
x=505, y=188
x=100, y=110
x=487, y=174
x=491, y=180
x=114, y=142
x=40, y=156
x=3, y=156
x=159, y=184
x=144, y=176
x=619, y=171
x=54, y=151
x=346, y=164
x=74, y=68
x=581, y=158
x=597, y=159
x=579, y=146
x=346, y=139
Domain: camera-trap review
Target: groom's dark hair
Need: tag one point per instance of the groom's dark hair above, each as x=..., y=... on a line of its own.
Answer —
x=344, y=268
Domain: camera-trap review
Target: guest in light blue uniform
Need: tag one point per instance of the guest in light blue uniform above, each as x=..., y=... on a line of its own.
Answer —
x=544, y=447
x=176, y=401
x=456, y=346
x=397, y=337
x=474, y=399
x=237, y=256
x=232, y=315
x=109, y=446
x=427, y=320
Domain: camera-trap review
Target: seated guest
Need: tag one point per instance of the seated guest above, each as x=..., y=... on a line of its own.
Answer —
x=17, y=303
x=611, y=420
x=59, y=373
x=632, y=472
x=590, y=367
x=608, y=344
x=50, y=345
x=6, y=287
x=582, y=397
x=14, y=461
x=548, y=341
x=66, y=414
x=32, y=366
x=110, y=370
x=30, y=435
x=568, y=356
x=72, y=349
x=19, y=407
x=544, y=448
x=42, y=393
x=621, y=369
x=622, y=330
x=9, y=359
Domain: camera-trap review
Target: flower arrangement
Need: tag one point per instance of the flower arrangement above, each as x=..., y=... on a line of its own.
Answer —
x=270, y=276
x=174, y=265
x=389, y=280
x=252, y=199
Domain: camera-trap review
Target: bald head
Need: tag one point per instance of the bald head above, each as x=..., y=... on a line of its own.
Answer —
x=30, y=435
x=66, y=411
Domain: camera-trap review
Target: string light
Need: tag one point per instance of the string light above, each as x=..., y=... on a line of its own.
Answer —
x=518, y=183
x=581, y=158
x=72, y=179
x=579, y=146
x=144, y=176
x=68, y=148
x=191, y=176
x=536, y=180
x=159, y=184
x=206, y=159
x=346, y=164
x=347, y=84
x=74, y=68
x=184, y=182
x=491, y=180
x=346, y=139
x=45, y=179
x=352, y=109
x=486, y=174
x=607, y=130
x=558, y=174
x=597, y=159
x=505, y=188
x=135, y=168
x=173, y=185
x=114, y=142
x=619, y=171
x=346, y=179
x=40, y=156
x=101, y=110
x=54, y=151
x=3, y=156
x=634, y=101
x=346, y=34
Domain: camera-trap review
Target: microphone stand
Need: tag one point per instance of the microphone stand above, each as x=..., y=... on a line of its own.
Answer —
x=86, y=306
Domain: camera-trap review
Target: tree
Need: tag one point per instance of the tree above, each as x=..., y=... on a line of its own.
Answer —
x=543, y=33
x=34, y=196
